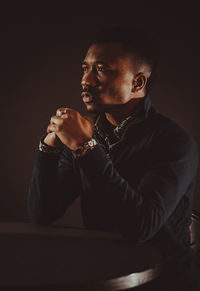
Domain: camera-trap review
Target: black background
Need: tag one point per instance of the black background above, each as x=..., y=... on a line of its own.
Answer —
x=42, y=47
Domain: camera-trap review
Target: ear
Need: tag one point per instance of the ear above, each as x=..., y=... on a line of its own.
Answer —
x=139, y=82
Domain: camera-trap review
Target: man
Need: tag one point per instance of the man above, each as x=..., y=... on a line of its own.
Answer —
x=133, y=168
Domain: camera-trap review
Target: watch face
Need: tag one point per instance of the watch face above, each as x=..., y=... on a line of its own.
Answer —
x=90, y=143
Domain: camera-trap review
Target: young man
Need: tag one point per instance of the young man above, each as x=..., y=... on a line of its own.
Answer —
x=133, y=168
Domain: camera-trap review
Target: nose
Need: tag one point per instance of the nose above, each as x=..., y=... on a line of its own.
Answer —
x=89, y=79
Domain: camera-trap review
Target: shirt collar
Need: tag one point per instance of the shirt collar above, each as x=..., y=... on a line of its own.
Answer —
x=107, y=130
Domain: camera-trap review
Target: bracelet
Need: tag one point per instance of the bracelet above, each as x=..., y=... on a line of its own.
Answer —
x=84, y=148
x=45, y=148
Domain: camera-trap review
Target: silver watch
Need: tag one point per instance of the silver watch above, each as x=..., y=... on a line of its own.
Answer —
x=85, y=147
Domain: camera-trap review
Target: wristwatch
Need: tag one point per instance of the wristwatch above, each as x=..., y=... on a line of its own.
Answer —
x=84, y=148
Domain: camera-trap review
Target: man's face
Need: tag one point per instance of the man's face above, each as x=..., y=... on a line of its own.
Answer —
x=107, y=77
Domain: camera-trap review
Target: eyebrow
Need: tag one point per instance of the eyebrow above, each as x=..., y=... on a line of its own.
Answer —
x=97, y=63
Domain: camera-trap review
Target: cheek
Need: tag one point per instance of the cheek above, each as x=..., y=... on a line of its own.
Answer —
x=114, y=93
x=126, y=89
x=120, y=90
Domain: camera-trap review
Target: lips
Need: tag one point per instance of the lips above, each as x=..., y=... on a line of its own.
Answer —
x=87, y=97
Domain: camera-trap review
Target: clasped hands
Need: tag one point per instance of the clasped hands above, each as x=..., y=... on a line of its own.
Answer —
x=70, y=129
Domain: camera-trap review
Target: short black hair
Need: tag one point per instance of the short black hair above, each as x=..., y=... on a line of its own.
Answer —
x=136, y=41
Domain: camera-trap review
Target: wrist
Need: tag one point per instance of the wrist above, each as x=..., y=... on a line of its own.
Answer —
x=52, y=140
x=46, y=148
x=84, y=148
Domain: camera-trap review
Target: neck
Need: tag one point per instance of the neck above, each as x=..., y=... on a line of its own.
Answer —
x=122, y=111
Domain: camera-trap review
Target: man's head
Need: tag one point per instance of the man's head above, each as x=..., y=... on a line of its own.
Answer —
x=117, y=69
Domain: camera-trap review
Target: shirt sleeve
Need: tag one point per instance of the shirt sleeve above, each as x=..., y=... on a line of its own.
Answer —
x=54, y=185
x=140, y=213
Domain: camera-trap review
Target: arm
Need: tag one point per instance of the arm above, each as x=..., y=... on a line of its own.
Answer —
x=55, y=182
x=53, y=187
x=140, y=213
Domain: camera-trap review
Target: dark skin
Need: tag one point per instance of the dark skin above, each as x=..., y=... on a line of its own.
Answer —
x=111, y=83
x=109, y=71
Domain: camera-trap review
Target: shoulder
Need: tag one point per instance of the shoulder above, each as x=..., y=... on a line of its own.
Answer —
x=172, y=136
x=167, y=127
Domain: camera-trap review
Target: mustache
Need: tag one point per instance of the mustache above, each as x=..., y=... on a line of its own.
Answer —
x=89, y=91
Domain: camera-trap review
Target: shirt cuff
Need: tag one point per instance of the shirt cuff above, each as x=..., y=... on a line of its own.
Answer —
x=45, y=148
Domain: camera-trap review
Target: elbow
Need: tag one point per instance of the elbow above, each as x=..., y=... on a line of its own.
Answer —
x=142, y=228
x=38, y=217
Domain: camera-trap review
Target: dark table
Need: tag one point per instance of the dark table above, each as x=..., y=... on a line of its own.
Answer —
x=66, y=258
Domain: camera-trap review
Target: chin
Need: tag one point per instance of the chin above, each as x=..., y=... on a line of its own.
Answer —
x=92, y=109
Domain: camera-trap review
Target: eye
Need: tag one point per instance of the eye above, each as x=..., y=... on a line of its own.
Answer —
x=84, y=68
x=101, y=69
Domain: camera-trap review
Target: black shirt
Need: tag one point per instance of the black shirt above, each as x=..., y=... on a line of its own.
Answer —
x=138, y=180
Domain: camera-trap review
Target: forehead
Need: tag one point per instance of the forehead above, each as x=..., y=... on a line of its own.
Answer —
x=107, y=53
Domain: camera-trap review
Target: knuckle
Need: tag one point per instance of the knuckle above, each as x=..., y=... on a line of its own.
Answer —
x=61, y=122
x=52, y=117
x=60, y=111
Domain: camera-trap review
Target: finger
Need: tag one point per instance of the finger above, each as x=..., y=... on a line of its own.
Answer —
x=48, y=130
x=56, y=120
x=66, y=115
x=62, y=111
x=52, y=128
